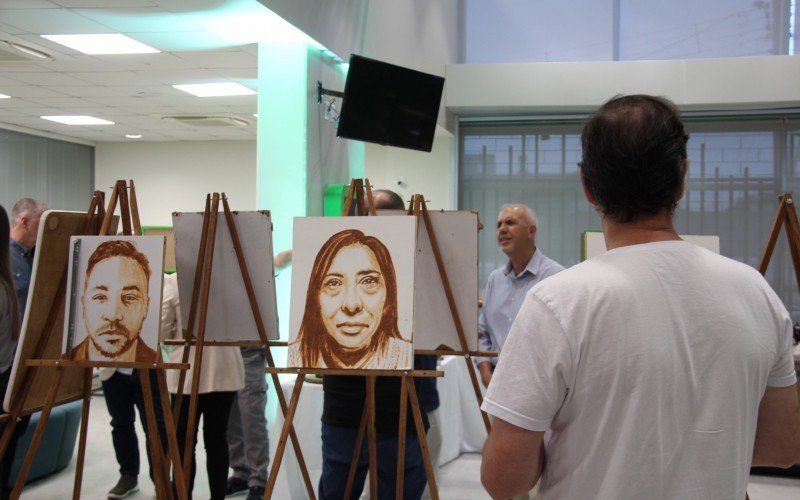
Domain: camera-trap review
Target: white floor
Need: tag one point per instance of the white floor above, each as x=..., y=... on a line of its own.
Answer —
x=459, y=479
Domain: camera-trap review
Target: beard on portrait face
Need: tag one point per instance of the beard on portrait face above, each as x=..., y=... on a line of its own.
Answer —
x=119, y=345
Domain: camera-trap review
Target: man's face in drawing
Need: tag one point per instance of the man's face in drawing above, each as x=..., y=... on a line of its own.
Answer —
x=352, y=296
x=115, y=304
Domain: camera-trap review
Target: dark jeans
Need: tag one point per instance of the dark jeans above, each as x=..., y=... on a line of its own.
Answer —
x=123, y=393
x=338, y=444
x=215, y=407
x=7, y=460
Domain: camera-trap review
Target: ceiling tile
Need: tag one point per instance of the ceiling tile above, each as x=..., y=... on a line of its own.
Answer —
x=48, y=21
x=30, y=91
x=45, y=78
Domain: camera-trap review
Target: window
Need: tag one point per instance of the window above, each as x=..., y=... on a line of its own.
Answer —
x=737, y=170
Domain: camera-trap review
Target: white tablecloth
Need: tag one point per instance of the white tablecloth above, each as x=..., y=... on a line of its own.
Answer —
x=462, y=425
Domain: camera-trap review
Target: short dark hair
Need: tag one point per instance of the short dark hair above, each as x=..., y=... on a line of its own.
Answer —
x=634, y=151
x=118, y=248
x=388, y=200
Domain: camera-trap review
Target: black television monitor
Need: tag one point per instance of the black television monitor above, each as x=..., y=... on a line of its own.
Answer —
x=389, y=104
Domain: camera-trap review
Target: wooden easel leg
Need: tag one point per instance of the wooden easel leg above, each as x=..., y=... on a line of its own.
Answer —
x=137, y=225
x=292, y=434
x=87, y=397
x=198, y=276
x=423, y=440
x=401, y=440
x=780, y=218
x=351, y=475
x=163, y=489
x=197, y=365
x=172, y=442
x=477, y=389
x=287, y=424
x=793, y=236
x=372, y=439
x=38, y=434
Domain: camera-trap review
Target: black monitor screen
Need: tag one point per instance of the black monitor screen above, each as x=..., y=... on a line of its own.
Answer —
x=389, y=105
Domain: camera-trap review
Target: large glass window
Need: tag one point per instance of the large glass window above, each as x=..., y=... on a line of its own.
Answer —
x=737, y=170
x=625, y=30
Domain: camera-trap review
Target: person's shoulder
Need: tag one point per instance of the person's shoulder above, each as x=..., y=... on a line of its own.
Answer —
x=145, y=353
x=81, y=351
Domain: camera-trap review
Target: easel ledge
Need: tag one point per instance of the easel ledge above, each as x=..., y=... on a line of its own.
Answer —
x=357, y=373
x=142, y=365
x=227, y=343
x=448, y=352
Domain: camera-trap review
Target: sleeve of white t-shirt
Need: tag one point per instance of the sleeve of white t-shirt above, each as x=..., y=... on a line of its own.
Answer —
x=783, y=374
x=534, y=372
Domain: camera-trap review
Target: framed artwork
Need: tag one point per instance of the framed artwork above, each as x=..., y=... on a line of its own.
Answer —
x=114, y=298
x=352, y=294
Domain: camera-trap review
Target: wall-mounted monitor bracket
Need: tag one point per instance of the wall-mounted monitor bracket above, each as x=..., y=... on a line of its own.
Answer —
x=322, y=91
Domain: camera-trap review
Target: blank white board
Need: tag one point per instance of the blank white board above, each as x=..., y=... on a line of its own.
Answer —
x=594, y=243
x=457, y=237
x=230, y=317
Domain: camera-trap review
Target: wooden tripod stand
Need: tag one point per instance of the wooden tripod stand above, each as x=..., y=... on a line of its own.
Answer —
x=359, y=201
x=419, y=208
x=160, y=463
x=195, y=332
x=786, y=216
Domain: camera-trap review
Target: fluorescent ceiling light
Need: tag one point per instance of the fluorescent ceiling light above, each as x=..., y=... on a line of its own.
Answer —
x=215, y=89
x=133, y=136
x=102, y=44
x=77, y=120
x=3, y=96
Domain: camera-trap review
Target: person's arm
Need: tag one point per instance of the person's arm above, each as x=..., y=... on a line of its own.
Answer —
x=513, y=459
x=486, y=368
x=777, y=442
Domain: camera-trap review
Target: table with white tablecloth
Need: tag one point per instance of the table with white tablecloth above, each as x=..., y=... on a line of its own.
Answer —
x=462, y=425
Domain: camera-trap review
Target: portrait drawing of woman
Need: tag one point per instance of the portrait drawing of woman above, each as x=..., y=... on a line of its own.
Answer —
x=350, y=318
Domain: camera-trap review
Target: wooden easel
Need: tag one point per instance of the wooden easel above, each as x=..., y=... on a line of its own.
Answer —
x=419, y=208
x=359, y=199
x=196, y=326
x=131, y=226
x=786, y=216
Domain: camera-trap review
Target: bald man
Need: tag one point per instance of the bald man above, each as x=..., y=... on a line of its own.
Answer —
x=508, y=285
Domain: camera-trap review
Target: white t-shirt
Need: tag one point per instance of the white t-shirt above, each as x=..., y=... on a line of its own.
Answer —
x=647, y=365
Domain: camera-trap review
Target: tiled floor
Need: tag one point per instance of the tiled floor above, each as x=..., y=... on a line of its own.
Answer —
x=459, y=479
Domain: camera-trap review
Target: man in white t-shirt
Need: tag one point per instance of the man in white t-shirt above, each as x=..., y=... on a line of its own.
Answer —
x=655, y=370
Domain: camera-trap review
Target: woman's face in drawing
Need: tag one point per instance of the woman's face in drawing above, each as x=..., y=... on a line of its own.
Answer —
x=352, y=295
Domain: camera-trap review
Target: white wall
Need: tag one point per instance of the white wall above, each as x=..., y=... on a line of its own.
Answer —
x=704, y=84
x=176, y=176
x=428, y=174
x=420, y=34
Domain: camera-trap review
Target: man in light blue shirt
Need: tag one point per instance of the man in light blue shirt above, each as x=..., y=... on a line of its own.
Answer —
x=508, y=285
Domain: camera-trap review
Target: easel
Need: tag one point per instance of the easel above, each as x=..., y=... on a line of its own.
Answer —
x=359, y=196
x=786, y=216
x=198, y=310
x=419, y=208
x=130, y=219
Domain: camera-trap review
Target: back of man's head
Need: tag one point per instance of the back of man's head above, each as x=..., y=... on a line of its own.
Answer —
x=29, y=207
x=387, y=200
x=634, y=153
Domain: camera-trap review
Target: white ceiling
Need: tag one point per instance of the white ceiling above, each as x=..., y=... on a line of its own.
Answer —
x=134, y=91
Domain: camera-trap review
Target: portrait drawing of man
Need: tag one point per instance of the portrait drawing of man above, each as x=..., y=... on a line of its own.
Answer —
x=114, y=302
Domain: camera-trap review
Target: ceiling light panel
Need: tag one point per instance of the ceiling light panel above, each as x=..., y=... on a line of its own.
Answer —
x=215, y=89
x=77, y=120
x=113, y=43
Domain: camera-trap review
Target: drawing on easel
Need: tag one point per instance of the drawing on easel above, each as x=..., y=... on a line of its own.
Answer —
x=113, y=298
x=352, y=293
